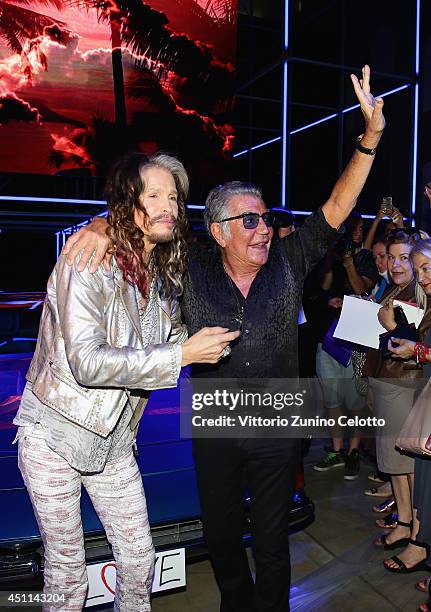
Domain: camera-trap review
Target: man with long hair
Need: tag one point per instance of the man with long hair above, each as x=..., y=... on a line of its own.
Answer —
x=257, y=288
x=105, y=340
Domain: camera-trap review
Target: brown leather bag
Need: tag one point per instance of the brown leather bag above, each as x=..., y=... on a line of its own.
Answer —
x=375, y=365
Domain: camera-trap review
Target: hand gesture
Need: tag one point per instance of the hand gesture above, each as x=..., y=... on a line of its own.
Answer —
x=386, y=316
x=90, y=240
x=347, y=260
x=381, y=213
x=371, y=107
x=400, y=347
x=335, y=302
x=208, y=345
x=397, y=217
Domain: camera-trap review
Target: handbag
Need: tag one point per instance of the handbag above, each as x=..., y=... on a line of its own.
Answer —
x=406, y=332
x=340, y=350
x=381, y=363
x=415, y=435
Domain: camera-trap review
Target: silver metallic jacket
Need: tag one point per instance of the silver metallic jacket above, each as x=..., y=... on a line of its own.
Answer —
x=90, y=352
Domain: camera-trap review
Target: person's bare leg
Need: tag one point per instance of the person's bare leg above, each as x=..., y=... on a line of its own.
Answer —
x=337, y=444
x=416, y=523
x=411, y=555
x=401, y=489
x=354, y=442
x=336, y=433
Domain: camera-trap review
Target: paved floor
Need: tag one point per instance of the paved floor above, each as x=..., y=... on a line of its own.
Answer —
x=335, y=566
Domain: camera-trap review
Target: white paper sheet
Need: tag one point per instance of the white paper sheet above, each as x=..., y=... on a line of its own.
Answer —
x=412, y=312
x=359, y=324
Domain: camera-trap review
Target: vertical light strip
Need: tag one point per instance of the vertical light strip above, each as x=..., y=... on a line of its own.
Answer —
x=418, y=27
x=284, y=130
x=415, y=117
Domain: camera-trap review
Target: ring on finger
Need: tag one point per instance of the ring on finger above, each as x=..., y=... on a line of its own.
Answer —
x=227, y=351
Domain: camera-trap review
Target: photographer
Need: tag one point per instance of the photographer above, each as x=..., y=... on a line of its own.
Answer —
x=347, y=269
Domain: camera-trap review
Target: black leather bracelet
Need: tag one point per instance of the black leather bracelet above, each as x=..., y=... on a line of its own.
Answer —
x=363, y=149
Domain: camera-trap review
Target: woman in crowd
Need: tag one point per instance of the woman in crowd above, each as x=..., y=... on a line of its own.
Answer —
x=413, y=555
x=393, y=401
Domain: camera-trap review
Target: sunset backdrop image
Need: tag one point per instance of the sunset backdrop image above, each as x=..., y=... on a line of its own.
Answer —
x=83, y=81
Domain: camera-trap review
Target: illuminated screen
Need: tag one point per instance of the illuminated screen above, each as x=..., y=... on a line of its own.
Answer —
x=82, y=81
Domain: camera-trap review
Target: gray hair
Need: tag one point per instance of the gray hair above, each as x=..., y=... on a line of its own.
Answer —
x=422, y=247
x=176, y=168
x=217, y=202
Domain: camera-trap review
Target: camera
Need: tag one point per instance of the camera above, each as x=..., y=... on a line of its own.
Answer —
x=345, y=246
x=387, y=206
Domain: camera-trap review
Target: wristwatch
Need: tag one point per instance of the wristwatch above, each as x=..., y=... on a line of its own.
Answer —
x=363, y=149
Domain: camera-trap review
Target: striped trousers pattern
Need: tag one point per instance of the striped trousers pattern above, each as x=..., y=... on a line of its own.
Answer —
x=118, y=497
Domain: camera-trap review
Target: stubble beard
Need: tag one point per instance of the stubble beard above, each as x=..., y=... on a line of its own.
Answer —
x=160, y=235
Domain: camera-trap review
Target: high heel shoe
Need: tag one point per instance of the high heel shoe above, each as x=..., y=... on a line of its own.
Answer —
x=388, y=505
x=423, y=585
x=389, y=522
x=422, y=566
x=401, y=543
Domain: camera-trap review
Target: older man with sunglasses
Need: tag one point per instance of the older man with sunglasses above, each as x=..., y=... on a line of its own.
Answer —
x=250, y=286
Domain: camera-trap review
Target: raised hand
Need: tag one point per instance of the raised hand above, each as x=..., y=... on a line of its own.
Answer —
x=386, y=316
x=397, y=217
x=371, y=107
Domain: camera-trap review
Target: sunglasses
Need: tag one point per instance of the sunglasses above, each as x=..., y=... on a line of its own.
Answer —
x=250, y=220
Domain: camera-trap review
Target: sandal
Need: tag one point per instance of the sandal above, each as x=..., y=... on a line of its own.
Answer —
x=423, y=585
x=389, y=522
x=386, y=506
x=375, y=492
x=422, y=566
x=374, y=477
x=401, y=543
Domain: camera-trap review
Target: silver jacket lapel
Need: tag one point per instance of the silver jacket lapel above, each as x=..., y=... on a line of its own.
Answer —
x=128, y=298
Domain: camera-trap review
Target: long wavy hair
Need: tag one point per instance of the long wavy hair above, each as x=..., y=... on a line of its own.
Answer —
x=123, y=189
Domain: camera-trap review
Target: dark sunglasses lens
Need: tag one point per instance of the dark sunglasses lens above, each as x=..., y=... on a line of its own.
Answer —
x=268, y=218
x=250, y=220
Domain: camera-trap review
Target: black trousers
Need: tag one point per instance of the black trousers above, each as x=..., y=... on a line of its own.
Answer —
x=225, y=469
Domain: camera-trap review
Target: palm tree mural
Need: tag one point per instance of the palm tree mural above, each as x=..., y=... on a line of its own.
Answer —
x=109, y=12
x=157, y=51
x=144, y=32
x=221, y=11
x=95, y=145
x=137, y=26
x=19, y=25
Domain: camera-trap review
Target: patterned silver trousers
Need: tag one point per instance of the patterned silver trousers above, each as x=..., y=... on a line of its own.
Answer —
x=118, y=497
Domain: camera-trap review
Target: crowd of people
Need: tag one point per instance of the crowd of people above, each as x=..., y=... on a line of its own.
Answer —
x=110, y=332
x=392, y=261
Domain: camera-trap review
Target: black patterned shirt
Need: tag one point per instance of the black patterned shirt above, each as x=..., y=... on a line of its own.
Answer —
x=268, y=345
